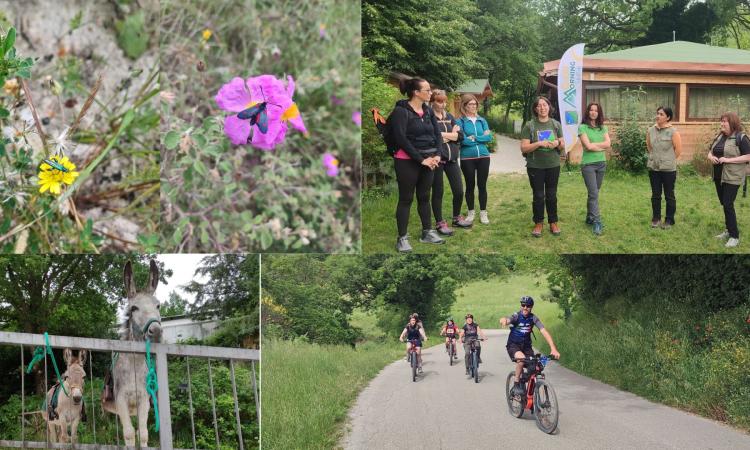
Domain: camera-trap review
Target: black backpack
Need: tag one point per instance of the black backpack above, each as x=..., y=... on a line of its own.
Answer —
x=384, y=128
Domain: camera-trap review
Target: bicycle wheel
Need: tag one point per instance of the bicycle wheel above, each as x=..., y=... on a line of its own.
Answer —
x=515, y=406
x=545, y=407
x=475, y=365
x=450, y=353
x=414, y=364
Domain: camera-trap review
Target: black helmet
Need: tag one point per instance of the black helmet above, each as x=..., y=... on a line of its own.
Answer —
x=469, y=315
x=527, y=301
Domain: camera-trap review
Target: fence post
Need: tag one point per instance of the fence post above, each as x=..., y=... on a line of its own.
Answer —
x=165, y=416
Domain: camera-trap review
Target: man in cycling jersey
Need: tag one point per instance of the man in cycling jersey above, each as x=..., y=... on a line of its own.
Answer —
x=471, y=332
x=519, y=339
x=414, y=331
x=450, y=331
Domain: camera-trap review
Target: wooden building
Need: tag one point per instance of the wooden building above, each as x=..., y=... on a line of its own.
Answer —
x=699, y=82
x=481, y=89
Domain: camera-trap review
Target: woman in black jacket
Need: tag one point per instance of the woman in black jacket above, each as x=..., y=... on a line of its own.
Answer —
x=450, y=149
x=417, y=136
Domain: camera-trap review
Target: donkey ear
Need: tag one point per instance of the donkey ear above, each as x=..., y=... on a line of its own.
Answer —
x=67, y=356
x=153, y=278
x=129, y=281
x=82, y=357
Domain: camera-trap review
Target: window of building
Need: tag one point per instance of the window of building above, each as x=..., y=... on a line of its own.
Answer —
x=641, y=101
x=710, y=102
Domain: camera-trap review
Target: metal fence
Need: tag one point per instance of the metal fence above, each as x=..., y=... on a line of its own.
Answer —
x=161, y=351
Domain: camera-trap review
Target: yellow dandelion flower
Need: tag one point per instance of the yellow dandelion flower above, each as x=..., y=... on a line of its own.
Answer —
x=51, y=178
x=207, y=34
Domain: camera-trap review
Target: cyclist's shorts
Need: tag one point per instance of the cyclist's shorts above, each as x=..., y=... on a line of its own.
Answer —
x=514, y=347
x=418, y=343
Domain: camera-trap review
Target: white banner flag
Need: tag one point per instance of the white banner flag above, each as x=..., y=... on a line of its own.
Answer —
x=570, y=92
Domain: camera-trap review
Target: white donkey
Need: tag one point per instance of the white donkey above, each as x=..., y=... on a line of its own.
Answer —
x=68, y=410
x=142, y=321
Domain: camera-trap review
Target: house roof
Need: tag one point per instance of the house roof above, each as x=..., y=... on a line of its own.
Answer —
x=475, y=86
x=678, y=56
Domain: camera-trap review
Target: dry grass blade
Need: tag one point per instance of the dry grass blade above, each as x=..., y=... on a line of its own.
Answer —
x=38, y=123
x=86, y=105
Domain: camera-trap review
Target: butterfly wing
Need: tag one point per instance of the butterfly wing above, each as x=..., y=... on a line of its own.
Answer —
x=262, y=121
x=252, y=113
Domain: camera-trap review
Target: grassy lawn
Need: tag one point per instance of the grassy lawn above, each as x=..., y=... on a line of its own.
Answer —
x=488, y=300
x=626, y=213
x=309, y=388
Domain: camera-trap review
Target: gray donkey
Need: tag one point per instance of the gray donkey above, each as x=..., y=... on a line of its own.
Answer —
x=68, y=408
x=142, y=320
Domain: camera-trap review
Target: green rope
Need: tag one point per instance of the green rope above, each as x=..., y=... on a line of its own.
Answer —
x=151, y=384
x=39, y=354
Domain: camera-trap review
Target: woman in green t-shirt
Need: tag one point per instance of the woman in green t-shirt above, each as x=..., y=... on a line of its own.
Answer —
x=541, y=145
x=595, y=141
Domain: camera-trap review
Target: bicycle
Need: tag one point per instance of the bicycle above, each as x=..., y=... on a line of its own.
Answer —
x=413, y=358
x=540, y=397
x=451, y=349
x=474, y=359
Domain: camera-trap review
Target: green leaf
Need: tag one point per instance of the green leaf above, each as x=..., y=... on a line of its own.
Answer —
x=265, y=239
x=131, y=35
x=199, y=139
x=24, y=73
x=10, y=41
x=200, y=168
x=171, y=139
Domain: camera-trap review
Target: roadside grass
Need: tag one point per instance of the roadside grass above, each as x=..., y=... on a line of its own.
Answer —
x=626, y=213
x=309, y=388
x=695, y=361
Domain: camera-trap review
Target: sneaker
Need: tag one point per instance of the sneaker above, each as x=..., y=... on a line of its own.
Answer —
x=470, y=217
x=597, y=229
x=483, y=217
x=724, y=235
x=655, y=223
x=442, y=228
x=431, y=237
x=554, y=228
x=420, y=369
x=402, y=244
x=518, y=390
x=666, y=225
x=732, y=242
x=459, y=221
x=589, y=220
x=537, y=231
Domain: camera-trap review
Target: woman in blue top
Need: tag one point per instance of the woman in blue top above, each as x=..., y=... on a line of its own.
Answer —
x=475, y=157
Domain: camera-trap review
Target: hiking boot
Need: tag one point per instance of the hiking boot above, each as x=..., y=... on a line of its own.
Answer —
x=402, y=244
x=537, y=231
x=431, y=237
x=589, y=220
x=655, y=223
x=554, y=229
x=483, y=217
x=597, y=228
x=470, y=217
x=442, y=228
x=724, y=235
x=732, y=242
x=459, y=221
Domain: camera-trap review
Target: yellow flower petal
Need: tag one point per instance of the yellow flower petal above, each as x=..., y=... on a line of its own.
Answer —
x=207, y=34
x=291, y=113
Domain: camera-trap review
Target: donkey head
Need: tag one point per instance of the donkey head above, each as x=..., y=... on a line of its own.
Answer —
x=73, y=378
x=143, y=320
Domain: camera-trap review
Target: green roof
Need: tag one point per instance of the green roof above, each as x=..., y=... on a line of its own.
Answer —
x=475, y=86
x=680, y=51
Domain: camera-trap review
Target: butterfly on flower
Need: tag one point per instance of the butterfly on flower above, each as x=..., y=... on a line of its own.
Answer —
x=257, y=114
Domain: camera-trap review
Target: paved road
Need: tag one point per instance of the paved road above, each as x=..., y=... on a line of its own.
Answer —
x=440, y=408
x=507, y=157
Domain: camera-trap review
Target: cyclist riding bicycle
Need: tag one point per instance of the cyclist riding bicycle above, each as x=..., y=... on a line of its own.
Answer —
x=414, y=332
x=450, y=331
x=470, y=332
x=519, y=339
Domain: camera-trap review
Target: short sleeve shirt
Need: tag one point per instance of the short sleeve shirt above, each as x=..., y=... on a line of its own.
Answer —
x=595, y=135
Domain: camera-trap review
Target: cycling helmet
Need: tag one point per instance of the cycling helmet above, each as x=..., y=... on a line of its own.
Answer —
x=527, y=301
x=469, y=315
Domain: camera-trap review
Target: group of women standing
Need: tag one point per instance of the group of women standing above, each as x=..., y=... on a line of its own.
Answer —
x=431, y=142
